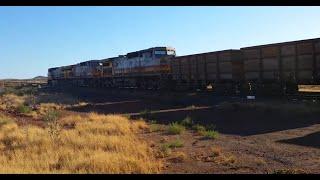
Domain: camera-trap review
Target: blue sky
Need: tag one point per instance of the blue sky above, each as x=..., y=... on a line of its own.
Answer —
x=32, y=39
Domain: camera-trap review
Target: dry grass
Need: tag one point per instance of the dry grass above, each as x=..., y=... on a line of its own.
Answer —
x=216, y=151
x=94, y=144
x=164, y=151
x=226, y=160
x=218, y=156
x=11, y=101
x=155, y=128
x=309, y=88
x=26, y=105
x=178, y=157
x=260, y=161
x=289, y=171
x=44, y=108
x=142, y=125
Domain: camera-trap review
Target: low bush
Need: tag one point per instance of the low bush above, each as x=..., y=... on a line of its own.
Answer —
x=187, y=122
x=4, y=120
x=141, y=125
x=164, y=151
x=52, y=115
x=176, y=128
x=96, y=144
x=24, y=109
x=216, y=151
x=198, y=128
x=44, y=108
x=211, y=134
x=229, y=160
x=155, y=128
x=175, y=144
x=11, y=101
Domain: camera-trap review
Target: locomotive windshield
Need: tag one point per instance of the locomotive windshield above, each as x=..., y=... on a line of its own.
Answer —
x=171, y=52
x=161, y=53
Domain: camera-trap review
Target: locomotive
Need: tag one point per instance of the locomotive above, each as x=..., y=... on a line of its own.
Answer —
x=148, y=69
x=266, y=69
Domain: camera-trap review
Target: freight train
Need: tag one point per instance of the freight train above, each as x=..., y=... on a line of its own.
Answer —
x=266, y=69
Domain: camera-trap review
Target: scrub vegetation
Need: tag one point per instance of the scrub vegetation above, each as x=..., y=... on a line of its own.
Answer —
x=91, y=144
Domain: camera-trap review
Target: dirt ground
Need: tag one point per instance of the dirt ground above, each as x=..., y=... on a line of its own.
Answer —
x=250, y=141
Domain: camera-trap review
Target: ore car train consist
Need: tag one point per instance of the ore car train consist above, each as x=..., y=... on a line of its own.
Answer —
x=273, y=68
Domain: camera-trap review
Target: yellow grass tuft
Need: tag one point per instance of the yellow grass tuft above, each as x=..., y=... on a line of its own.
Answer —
x=216, y=151
x=45, y=107
x=11, y=101
x=95, y=144
x=141, y=125
x=178, y=157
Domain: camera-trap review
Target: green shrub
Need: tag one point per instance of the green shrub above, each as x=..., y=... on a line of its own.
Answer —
x=51, y=118
x=211, y=134
x=24, y=109
x=155, y=127
x=176, y=128
x=211, y=127
x=174, y=144
x=165, y=151
x=10, y=90
x=187, y=122
x=20, y=90
x=198, y=128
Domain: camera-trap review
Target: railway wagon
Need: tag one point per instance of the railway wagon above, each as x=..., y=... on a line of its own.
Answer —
x=222, y=70
x=281, y=67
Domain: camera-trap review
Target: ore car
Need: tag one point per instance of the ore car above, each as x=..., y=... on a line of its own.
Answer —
x=221, y=70
x=279, y=68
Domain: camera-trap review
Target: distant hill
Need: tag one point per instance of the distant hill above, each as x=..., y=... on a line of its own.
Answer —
x=39, y=78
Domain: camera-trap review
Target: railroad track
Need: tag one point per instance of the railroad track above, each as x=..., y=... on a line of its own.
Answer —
x=304, y=96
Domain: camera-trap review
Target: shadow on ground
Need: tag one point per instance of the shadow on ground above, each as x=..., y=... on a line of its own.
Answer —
x=311, y=140
x=166, y=109
x=238, y=123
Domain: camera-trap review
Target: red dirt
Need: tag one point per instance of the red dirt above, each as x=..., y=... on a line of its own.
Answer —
x=23, y=120
x=257, y=141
